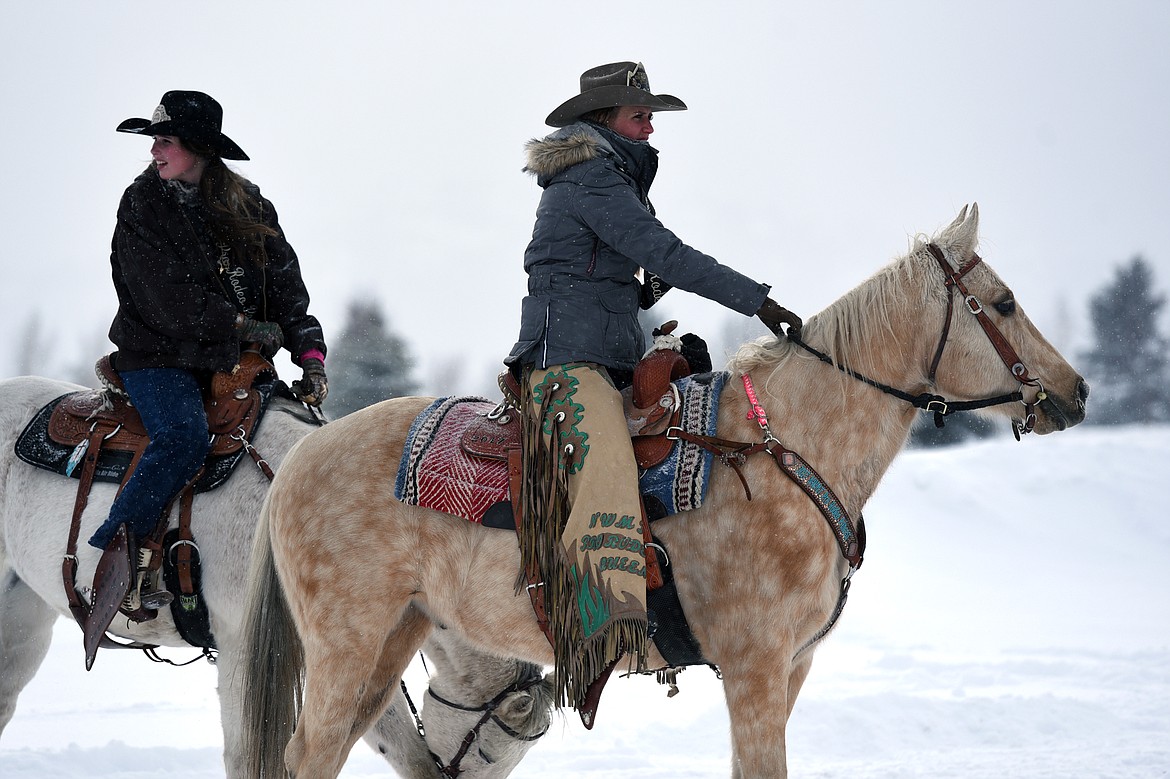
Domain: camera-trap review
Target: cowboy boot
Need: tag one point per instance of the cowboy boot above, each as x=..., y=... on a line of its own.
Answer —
x=111, y=583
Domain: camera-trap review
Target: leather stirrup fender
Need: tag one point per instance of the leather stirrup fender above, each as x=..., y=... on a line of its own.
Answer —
x=111, y=583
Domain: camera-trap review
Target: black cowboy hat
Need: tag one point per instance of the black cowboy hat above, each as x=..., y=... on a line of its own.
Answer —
x=192, y=116
x=606, y=86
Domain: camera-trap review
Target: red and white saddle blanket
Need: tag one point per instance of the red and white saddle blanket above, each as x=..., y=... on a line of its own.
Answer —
x=438, y=472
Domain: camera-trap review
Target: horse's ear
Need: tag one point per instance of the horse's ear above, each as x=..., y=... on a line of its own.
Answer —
x=962, y=235
x=969, y=234
x=958, y=220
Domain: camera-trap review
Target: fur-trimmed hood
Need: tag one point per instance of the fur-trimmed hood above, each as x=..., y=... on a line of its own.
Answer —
x=594, y=229
x=561, y=150
x=583, y=142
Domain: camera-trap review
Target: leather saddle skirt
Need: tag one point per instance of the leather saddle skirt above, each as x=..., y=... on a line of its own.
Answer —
x=59, y=432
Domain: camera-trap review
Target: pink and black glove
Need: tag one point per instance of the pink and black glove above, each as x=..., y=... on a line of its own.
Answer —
x=313, y=386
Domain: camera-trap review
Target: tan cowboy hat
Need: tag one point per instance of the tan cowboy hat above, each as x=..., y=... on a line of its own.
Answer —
x=606, y=86
x=192, y=116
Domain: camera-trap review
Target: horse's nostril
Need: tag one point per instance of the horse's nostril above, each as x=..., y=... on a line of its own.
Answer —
x=1082, y=390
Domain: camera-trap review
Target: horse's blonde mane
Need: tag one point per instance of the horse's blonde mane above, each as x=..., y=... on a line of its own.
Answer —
x=850, y=327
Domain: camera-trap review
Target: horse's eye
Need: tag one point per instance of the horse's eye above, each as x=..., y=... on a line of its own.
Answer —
x=1006, y=307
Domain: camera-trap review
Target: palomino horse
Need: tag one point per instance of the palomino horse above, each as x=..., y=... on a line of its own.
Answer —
x=348, y=581
x=35, y=511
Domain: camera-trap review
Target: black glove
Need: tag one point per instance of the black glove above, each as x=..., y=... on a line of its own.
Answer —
x=313, y=386
x=694, y=349
x=774, y=315
x=266, y=335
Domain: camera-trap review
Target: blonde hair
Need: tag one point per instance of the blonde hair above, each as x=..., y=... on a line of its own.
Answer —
x=602, y=116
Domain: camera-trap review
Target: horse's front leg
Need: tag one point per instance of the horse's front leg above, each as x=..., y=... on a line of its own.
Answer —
x=760, y=695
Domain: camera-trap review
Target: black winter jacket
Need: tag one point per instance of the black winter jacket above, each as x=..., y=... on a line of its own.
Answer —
x=179, y=292
x=594, y=229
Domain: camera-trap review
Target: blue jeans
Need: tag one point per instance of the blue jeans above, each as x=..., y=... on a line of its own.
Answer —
x=171, y=407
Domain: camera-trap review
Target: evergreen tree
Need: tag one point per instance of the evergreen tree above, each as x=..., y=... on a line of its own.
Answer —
x=367, y=362
x=1127, y=366
x=34, y=348
x=957, y=429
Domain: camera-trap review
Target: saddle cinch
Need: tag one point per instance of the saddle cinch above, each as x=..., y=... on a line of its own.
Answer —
x=99, y=423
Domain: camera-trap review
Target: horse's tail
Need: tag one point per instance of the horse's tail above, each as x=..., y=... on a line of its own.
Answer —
x=273, y=664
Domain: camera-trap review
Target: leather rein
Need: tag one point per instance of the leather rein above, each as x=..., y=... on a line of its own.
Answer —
x=936, y=404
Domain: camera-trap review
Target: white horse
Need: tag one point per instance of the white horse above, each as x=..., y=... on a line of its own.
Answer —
x=35, y=511
x=759, y=580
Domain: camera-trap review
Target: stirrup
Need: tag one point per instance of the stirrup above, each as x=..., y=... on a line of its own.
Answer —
x=143, y=600
x=156, y=599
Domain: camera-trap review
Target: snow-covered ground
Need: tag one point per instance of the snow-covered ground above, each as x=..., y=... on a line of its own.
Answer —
x=1012, y=619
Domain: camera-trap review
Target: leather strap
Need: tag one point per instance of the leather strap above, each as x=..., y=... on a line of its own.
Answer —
x=954, y=280
x=730, y=453
x=534, y=586
x=184, y=549
x=734, y=453
x=69, y=564
x=850, y=541
x=653, y=570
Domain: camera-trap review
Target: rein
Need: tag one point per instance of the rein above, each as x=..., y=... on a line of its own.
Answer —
x=452, y=769
x=938, y=405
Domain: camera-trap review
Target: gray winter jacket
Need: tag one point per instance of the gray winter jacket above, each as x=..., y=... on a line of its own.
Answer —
x=594, y=229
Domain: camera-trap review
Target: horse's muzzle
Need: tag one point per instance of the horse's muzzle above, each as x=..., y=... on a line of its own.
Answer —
x=1061, y=415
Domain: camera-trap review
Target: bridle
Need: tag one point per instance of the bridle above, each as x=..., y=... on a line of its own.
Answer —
x=850, y=535
x=530, y=679
x=936, y=404
x=1007, y=355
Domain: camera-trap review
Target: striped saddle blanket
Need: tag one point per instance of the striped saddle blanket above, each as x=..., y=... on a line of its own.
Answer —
x=440, y=471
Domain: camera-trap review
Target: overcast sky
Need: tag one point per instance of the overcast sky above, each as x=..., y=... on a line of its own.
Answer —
x=390, y=135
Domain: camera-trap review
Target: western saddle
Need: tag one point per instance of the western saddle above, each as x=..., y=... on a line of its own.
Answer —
x=104, y=420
